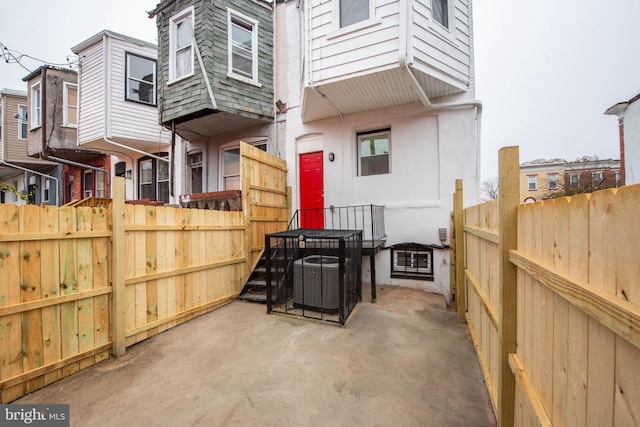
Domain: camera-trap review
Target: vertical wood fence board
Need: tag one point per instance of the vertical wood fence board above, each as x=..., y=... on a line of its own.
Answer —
x=120, y=268
x=627, y=236
x=69, y=285
x=140, y=269
x=161, y=267
x=130, y=271
x=461, y=296
x=10, y=326
x=50, y=278
x=84, y=255
x=100, y=248
x=151, y=250
x=31, y=290
x=627, y=385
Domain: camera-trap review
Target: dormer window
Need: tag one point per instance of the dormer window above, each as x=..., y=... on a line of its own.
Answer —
x=181, y=45
x=353, y=11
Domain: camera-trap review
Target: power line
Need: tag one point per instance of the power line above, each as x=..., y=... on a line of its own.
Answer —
x=12, y=56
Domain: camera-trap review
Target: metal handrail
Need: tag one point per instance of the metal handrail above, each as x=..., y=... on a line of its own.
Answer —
x=367, y=218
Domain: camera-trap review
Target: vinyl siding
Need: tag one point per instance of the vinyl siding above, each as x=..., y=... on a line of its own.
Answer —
x=438, y=52
x=130, y=119
x=91, y=84
x=14, y=149
x=339, y=53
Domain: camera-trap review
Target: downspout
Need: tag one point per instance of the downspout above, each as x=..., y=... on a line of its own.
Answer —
x=405, y=61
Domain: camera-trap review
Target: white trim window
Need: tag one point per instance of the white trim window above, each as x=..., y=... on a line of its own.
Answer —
x=553, y=181
x=596, y=178
x=46, y=189
x=70, y=105
x=353, y=11
x=22, y=122
x=533, y=182
x=181, y=45
x=153, y=178
x=36, y=106
x=373, y=152
x=242, y=47
x=141, y=79
x=440, y=12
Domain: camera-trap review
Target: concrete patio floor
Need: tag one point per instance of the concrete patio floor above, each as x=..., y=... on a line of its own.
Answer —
x=405, y=361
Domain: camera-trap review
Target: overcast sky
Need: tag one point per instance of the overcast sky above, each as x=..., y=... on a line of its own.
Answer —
x=545, y=70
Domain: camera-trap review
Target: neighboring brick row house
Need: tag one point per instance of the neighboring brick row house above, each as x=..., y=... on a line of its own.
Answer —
x=543, y=179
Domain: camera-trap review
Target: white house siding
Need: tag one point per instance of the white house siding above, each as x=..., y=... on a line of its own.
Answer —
x=368, y=46
x=92, y=92
x=632, y=143
x=438, y=52
x=130, y=120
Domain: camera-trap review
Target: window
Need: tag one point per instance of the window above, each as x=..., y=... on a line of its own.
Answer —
x=46, y=189
x=533, y=182
x=194, y=160
x=231, y=166
x=153, y=178
x=373, y=153
x=440, y=12
x=243, y=47
x=141, y=79
x=353, y=11
x=70, y=101
x=575, y=180
x=22, y=121
x=181, y=45
x=596, y=178
x=618, y=179
x=36, y=106
x=553, y=181
x=87, y=183
x=92, y=183
x=412, y=261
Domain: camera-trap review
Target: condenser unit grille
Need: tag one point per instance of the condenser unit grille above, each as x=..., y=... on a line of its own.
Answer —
x=316, y=283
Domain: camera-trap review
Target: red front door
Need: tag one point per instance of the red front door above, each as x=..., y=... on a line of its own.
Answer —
x=311, y=190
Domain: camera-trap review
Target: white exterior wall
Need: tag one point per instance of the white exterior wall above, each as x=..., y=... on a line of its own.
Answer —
x=430, y=149
x=91, y=86
x=632, y=143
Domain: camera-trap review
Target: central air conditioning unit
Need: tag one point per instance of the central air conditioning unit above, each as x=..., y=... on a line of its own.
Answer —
x=316, y=283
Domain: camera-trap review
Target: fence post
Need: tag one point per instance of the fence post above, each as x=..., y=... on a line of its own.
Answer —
x=458, y=221
x=508, y=200
x=245, y=178
x=118, y=255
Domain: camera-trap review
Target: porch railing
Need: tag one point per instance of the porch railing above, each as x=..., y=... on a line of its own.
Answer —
x=368, y=218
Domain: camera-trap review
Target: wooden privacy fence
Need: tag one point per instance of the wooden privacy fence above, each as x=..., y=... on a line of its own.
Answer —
x=555, y=313
x=77, y=283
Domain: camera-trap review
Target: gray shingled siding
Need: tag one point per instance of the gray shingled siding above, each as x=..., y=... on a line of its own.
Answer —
x=190, y=95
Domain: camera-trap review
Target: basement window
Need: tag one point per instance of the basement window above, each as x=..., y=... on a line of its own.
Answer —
x=412, y=261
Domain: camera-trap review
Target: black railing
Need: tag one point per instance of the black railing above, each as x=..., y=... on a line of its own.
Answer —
x=368, y=218
x=314, y=273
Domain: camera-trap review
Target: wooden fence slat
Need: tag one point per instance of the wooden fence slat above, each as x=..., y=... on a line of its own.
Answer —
x=100, y=280
x=458, y=221
x=151, y=251
x=119, y=268
x=31, y=290
x=69, y=285
x=85, y=259
x=542, y=418
x=50, y=277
